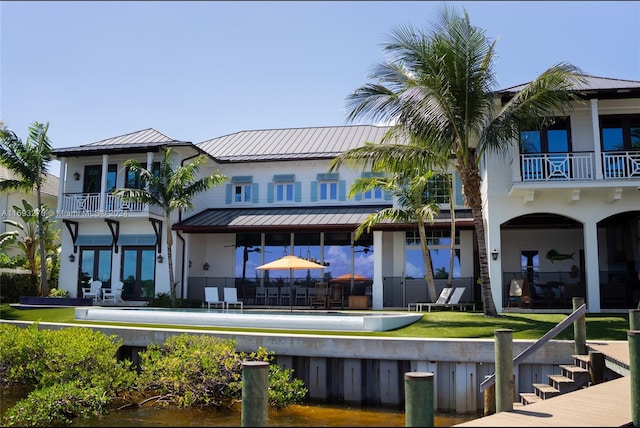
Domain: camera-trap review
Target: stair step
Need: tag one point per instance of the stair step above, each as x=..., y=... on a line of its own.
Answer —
x=544, y=390
x=562, y=383
x=529, y=398
x=581, y=360
x=579, y=375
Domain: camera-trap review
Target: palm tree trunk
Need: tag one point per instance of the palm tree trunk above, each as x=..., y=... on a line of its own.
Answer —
x=44, y=288
x=452, y=241
x=471, y=180
x=172, y=283
x=428, y=265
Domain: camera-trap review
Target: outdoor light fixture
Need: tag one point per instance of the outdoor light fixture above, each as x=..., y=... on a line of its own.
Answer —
x=160, y=258
x=76, y=176
x=205, y=266
x=190, y=263
x=494, y=254
x=72, y=257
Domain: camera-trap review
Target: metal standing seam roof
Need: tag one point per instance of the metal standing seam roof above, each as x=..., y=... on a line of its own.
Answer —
x=291, y=143
x=592, y=83
x=143, y=140
x=349, y=217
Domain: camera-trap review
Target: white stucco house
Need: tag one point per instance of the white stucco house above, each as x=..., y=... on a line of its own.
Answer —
x=562, y=210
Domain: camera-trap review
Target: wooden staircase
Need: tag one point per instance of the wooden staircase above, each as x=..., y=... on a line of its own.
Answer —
x=573, y=377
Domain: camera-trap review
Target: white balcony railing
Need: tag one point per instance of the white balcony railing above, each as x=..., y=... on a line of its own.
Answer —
x=557, y=166
x=88, y=204
x=579, y=166
x=621, y=165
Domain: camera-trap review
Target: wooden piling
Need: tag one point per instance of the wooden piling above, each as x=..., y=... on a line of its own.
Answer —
x=255, y=394
x=504, y=370
x=419, y=399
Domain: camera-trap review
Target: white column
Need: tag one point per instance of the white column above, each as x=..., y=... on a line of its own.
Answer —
x=61, y=183
x=597, y=152
x=149, y=161
x=103, y=181
x=592, y=266
x=377, y=289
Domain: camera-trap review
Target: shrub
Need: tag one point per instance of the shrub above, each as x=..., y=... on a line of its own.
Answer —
x=55, y=292
x=200, y=370
x=56, y=405
x=15, y=285
x=163, y=300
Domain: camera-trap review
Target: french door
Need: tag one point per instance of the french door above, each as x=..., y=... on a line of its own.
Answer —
x=95, y=264
x=138, y=273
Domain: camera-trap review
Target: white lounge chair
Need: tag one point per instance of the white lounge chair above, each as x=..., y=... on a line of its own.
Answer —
x=94, y=291
x=211, y=297
x=231, y=298
x=441, y=300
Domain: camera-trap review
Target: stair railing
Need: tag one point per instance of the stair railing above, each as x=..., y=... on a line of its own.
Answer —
x=581, y=310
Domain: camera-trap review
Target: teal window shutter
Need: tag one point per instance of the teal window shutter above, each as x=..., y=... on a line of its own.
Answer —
x=387, y=195
x=228, y=196
x=342, y=190
x=297, y=191
x=254, y=197
x=314, y=191
x=359, y=196
x=270, y=189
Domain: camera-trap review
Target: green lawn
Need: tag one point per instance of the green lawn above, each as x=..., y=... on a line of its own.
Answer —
x=438, y=324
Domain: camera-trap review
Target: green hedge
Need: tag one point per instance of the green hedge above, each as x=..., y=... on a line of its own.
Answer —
x=13, y=285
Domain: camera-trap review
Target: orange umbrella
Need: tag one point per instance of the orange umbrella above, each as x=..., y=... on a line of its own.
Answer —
x=347, y=278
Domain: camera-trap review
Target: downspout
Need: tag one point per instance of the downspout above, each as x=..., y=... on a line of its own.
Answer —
x=184, y=285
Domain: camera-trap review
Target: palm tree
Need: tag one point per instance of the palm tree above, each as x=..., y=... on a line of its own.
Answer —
x=25, y=234
x=169, y=189
x=414, y=206
x=438, y=85
x=29, y=162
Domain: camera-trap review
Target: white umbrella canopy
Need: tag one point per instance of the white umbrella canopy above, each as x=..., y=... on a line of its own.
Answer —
x=290, y=263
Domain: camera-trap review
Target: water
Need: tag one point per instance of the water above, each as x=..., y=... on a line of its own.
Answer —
x=306, y=415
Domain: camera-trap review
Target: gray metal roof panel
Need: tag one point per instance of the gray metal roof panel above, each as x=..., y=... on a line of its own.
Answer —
x=139, y=140
x=291, y=143
x=592, y=83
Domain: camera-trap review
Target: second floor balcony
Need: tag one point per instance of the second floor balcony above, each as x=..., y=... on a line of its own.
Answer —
x=580, y=166
x=81, y=205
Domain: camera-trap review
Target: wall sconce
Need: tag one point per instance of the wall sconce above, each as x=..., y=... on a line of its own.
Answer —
x=190, y=263
x=494, y=254
x=76, y=176
x=205, y=266
x=160, y=258
x=72, y=257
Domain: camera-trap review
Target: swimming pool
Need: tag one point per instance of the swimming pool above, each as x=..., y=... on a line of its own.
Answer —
x=248, y=318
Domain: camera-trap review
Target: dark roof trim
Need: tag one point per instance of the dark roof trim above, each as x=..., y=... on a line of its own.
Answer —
x=325, y=218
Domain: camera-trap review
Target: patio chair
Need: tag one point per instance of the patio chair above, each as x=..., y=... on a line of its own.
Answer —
x=454, y=300
x=321, y=295
x=94, y=291
x=301, y=296
x=285, y=296
x=211, y=297
x=519, y=294
x=231, y=297
x=113, y=294
x=441, y=300
x=336, y=296
x=273, y=295
x=261, y=296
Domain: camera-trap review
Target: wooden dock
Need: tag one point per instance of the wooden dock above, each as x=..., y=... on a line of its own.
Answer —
x=607, y=404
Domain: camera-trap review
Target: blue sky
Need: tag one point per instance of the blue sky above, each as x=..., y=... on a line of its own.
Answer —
x=200, y=70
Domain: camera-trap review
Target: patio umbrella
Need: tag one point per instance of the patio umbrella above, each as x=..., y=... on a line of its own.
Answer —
x=290, y=263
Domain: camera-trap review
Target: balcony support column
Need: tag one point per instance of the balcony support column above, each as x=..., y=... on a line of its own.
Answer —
x=103, y=182
x=597, y=151
x=61, y=184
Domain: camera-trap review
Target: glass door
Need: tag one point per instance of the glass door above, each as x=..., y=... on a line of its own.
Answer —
x=95, y=263
x=138, y=273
